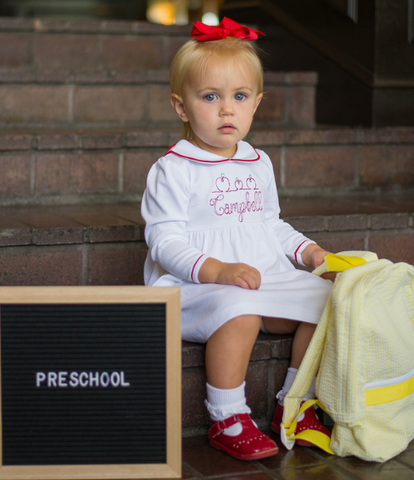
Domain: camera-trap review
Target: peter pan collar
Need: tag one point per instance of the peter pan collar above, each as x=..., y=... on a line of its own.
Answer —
x=244, y=153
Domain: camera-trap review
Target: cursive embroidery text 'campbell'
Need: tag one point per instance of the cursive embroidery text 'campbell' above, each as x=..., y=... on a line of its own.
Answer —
x=221, y=207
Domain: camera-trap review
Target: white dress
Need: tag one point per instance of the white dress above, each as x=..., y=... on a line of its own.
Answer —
x=199, y=205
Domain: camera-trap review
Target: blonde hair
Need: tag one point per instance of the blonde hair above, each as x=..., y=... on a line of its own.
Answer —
x=195, y=55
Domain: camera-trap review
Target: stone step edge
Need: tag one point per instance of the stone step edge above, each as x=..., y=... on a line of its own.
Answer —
x=71, y=229
x=112, y=27
x=39, y=76
x=70, y=138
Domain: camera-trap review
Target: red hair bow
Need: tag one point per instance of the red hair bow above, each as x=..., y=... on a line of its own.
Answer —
x=227, y=28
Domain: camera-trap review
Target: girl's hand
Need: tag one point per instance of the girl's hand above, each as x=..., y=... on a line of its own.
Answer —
x=314, y=255
x=239, y=274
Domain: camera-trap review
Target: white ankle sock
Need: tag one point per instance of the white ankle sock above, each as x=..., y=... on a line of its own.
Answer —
x=290, y=378
x=223, y=403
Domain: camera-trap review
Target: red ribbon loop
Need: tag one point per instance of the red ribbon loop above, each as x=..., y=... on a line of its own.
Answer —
x=227, y=28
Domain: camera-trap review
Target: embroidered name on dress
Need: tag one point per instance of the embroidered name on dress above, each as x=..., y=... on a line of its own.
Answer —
x=237, y=197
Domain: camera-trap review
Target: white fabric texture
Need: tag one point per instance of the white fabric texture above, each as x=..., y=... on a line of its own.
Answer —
x=199, y=205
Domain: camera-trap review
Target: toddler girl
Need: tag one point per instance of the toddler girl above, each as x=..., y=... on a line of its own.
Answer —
x=213, y=228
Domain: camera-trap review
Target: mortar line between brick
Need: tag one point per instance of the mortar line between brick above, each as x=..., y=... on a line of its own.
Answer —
x=327, y=462
x=282, y=166
x=192, y=470
x=271, y=473
x=366, y=240
x=145, y=95
x=84, y=272
x=32, y=50
x=33, y=185
x=356, y=166
x=287, y=96
x=71, y=90
x=121, y=173
x=408, y=465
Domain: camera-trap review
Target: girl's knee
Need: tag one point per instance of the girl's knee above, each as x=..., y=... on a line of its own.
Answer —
x=245, y=322
x=243, y=326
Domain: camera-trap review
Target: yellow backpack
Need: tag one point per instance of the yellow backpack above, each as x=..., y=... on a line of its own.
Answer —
x=363, y=356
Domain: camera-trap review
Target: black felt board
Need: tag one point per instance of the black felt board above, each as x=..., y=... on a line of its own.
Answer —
x=44, y=424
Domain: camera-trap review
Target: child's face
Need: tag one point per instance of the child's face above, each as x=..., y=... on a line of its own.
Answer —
x=219, y=106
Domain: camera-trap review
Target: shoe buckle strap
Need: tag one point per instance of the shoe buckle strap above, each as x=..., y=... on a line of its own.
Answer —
x=219, y=427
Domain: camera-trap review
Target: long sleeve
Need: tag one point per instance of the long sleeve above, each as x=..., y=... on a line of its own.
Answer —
x=165, y=211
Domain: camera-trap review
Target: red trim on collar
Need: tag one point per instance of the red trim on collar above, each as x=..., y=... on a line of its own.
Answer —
x=170, y=150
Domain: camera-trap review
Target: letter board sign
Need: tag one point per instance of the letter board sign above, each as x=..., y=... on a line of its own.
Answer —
x=90, y=382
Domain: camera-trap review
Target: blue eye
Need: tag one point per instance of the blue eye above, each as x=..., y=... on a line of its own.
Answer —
x=210, y=97
x=240, y=96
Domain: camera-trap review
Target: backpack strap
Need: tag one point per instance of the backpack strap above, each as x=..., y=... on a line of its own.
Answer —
x=287, y=431
x=307, y=372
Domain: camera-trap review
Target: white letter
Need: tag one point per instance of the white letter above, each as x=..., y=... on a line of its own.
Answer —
x=74, y=382
x=94, y=379
x=123, y=382
x=83, y=383
x=104, y=383
x=51, y=379
x=115, y=379
x=62, y=379
x=40, y=377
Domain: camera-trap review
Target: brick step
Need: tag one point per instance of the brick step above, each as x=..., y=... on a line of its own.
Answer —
x=104, y=244
x=85, y=46
x=113, y=73
x=73, y=166
x=116, y=98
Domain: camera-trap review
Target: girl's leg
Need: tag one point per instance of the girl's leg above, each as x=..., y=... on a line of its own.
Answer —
x=228, y=353
x=303, y=336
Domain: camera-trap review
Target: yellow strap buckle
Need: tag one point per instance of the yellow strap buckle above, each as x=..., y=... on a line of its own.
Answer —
x=339, y=263
x=287, y=431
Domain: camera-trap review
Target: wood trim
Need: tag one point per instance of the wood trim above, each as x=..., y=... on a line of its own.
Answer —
x=101, y=295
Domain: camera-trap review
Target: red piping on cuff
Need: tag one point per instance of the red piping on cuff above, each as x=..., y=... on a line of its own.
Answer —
x=192, y=271
x=296, y=251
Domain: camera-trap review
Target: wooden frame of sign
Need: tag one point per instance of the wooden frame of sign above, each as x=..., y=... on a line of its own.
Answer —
x=76, y=403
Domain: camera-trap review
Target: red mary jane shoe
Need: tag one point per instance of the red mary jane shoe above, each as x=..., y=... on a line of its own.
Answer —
x=250, y=444
x=309, y=421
